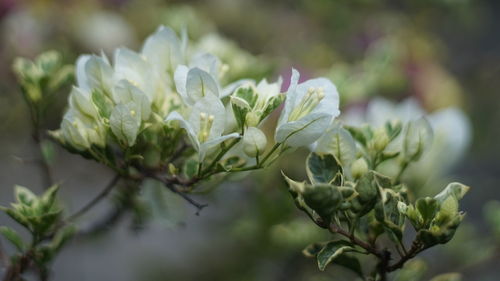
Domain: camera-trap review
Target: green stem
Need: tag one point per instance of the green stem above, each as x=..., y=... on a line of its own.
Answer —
x=207, y=171
x=273, y=149
x=404, y=165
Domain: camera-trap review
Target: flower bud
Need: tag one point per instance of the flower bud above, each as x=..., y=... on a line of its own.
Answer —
x=380, y=139
x=359, y=168
x=252, y=119
x=254, y=142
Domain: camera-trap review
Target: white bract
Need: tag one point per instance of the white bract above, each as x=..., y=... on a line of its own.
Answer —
x=204, y=125
x=309, y=108
x=81, y=132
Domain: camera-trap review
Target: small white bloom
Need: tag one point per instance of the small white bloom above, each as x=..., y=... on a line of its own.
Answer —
x=309, y=108
x=205, y=124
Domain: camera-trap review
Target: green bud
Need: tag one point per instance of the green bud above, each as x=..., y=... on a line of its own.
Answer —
x=380, y=139
x=359, y=168
x=254, y=142
x=252, y=119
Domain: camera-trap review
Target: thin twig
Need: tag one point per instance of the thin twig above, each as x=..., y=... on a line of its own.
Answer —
x=45, y=169
x=110, y=219
x=334, y=229
x=171, y=185
x=416, y=248
x=96, y=200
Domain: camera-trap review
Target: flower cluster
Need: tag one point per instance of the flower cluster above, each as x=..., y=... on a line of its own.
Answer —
x=349, y=196
x=147, y=104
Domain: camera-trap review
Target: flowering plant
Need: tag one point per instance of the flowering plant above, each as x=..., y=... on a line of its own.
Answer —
x=169, y=113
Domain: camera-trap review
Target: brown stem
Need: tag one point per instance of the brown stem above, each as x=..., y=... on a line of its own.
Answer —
x=369, y=248
x=416, y=248
x=96, y=200
x=15, y=270
x=171, y=184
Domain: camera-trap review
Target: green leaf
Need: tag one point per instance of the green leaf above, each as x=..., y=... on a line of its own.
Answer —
x=362, y=134
x=273, y=103
x=331, y=251
x=323, y=168
x=62, y=237
x=324, y=199
x=296, y=189
x=388, y=213
x=350, y=262
x=240, y=110
x=49, y=197
x=312, y=250
x=24, y=195
x=393, y=129
x=248, y=94
x=427, y=207
x=18, y=217
x=13, y=237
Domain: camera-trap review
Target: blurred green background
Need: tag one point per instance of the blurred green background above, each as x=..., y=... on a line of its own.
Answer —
x=440, y=52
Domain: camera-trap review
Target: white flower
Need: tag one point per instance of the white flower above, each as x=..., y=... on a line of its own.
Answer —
x=205, y=124
x=309, y=108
